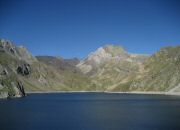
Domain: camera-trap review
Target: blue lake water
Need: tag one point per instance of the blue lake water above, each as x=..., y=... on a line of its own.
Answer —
x=90, y=111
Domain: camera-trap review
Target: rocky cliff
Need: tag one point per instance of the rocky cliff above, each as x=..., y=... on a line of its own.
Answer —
x=21, y=72
x=10, y=60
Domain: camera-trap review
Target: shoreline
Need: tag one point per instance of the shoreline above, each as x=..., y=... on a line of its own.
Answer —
x=133, y=92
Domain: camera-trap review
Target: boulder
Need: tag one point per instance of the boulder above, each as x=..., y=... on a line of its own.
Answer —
x=4, y=72
x=24, y=69
x=12, y=50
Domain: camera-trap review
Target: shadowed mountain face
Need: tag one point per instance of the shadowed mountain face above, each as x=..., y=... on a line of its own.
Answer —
x=60, y=63
x=109, y=68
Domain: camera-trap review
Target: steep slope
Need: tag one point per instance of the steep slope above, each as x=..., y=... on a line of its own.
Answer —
x=10, y=59
x=20, y=71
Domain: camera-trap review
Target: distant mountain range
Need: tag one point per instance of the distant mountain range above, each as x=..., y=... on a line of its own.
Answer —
x=108, y=69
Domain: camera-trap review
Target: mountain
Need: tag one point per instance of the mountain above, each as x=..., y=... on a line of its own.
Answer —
x=110, y=68
x=21, y=72
x=107, y=54
x=111, y=65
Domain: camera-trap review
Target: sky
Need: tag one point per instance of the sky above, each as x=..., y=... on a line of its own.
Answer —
x=74, y=28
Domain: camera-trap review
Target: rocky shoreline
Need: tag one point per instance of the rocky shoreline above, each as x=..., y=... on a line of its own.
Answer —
x=5, y=95
x=133, y=92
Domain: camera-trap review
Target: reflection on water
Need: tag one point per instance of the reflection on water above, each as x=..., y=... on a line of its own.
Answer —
x=90, y=111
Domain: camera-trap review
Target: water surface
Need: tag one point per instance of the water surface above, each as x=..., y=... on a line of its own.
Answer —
x=90, y=111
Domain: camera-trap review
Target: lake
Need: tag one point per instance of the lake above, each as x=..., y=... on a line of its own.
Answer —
x=91, y=111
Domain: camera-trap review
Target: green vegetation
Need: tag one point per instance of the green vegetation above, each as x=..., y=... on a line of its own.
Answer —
x=162, y=71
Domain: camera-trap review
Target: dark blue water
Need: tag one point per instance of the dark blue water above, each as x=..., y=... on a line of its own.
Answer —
x=90, y=111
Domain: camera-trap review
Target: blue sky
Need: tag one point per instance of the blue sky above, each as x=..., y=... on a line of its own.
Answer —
x=74, y=28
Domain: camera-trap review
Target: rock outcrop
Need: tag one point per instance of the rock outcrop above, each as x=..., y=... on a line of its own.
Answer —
x=20, y=52
x=23, y=54
x=24, y=69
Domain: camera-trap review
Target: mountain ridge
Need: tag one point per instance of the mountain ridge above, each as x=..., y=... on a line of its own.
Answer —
x=110, y=68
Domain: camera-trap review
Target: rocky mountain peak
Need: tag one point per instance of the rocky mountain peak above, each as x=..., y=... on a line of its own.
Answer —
x=20, y=52
x=108, y=54
x=105, y=53
x=114, y=50
x=108, y=51
x=99, y=55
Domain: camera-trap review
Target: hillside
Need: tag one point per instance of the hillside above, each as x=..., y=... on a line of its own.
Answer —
x=160, y=73
x=20, y=71
x=162, y=70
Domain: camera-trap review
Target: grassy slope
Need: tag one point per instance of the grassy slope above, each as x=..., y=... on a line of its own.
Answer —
x=161, y=72
x=163, y=69
x=114, y=73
